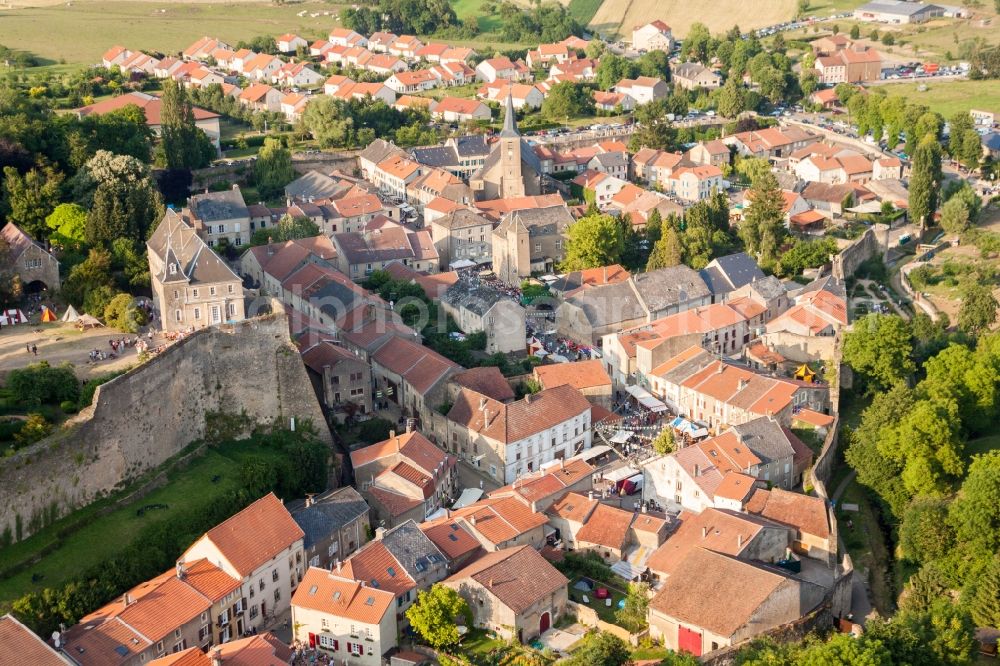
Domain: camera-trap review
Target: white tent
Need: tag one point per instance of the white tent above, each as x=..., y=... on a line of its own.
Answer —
x=71, y=314
x=87, y=321
x=468, y=496
x=460, y=264
x=646, y=399
x=12, y=316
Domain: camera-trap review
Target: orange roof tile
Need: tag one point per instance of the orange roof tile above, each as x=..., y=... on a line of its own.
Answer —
x=579, y=375
x=256, y=534
x=374, y=565
x=324, y=591
x=607, y=526
x=20, y=646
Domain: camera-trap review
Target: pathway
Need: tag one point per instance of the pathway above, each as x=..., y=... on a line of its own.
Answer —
x=861, y=605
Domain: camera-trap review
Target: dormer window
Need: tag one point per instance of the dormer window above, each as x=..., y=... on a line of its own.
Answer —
x=173, y=268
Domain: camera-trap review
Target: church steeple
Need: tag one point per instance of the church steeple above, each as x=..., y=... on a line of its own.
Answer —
x=509, y=121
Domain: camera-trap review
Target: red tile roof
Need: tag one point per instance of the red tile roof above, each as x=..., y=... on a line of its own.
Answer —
x=374, y=565
x=451, y=537
x=149, y=104
x=500, y=520
x=256, y=534
x=517, y=577
x=714, y=529
x=20, y=646
x=518, y=420
x=324, y=591
x=607, y=526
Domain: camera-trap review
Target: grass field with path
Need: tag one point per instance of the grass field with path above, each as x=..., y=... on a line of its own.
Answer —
x=197, y=484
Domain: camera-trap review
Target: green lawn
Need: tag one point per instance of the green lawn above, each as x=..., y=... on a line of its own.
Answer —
x=823, y=8
x=80, y=31
x=197, y=484
x=584, y=10
x=603, y=611
x=950, y=97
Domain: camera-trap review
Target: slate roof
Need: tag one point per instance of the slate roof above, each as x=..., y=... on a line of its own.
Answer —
x=175, y=241
x=728, y=273
x=328, y=513
x=414, y=551
x=478, y=299
x=671, y=286
x=314, y=184
x=518, y=577
x=224, y=205
x=435, y=156
x=609, y=304
x=19, y=241
x=766, y=438
x=471, y=145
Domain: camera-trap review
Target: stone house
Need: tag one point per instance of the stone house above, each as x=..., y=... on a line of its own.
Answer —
x=477, y=307
x=405, y=477
x=529, y=240
x=462, y=235
x=192, y=286
x=36, y=267
x=692, y=75
x=335, y=524
x=507, y=440
x=514, y=592
x=343, y=380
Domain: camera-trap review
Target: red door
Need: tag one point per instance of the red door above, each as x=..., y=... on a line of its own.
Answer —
x=689, y=641
x=312, y=640
x=544, y=622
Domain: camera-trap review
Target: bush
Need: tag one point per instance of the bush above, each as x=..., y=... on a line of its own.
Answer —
x=375, y=430
x=40, y=384
x=35, y=428
x=68, y=406
x=87, y=392
x=9, y=429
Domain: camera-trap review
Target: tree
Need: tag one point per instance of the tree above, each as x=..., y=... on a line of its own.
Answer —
x=594, y=240
x=855, y=31
x=985, y=606
x=124, y=202
x=67, y=225
x=182, y=144
x=955, y=216
x=273, y=169
x=31, y=198
x=567, y=100
x=880, y=349
x=288, y=228
x=612, y=69
x=655, y=129
x=436, y=613
x=979, y=309
x=667, y=252
x=925, y=179
x=975, y=513
x=122, y=314
x=763, y=226
x=632, y=615
x=35, y=428
x=845, y=650
x=732, y=98
x=664, y=442
x=599, y=648
x=924, y=533
x=89, y=276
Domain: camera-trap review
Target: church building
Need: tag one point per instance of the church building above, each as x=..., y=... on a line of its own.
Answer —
x=512, y=168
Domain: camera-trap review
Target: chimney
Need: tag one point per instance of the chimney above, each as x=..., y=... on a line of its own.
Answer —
x=217, y=656
x=590, y=494
x=126, y=600
x=339, y=565
x=379, y=533
x=704, y=532
x=527, y=398
x=180, y=570
x=697, y=470
x=392, y=434
x=472, y=519
x=491, y=583
x=739, y=541
x=482, y=403
x=309, y=500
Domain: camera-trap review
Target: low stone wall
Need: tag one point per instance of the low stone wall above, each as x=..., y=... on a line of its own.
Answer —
x=249, y=372
x=800, y=348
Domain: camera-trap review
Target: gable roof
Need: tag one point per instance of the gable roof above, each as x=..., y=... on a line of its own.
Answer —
x=327, y=513
x=607, y=526
x=520, y=419
x=420, y=366
x=19, y=645
x=720, y=593
x=497, y=520
x=256, y=534
x=805, y=513
x=324, y=591
x=579, y=374
x=517, y=577
x=486, y=380
x=451, y=537
x=262, y=650
x=574, y=507
x=412, y=447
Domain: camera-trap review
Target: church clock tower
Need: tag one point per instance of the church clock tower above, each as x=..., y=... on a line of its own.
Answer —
x=511, y=178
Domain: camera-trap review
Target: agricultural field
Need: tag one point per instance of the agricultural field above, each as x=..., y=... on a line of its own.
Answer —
x=618, y=17
x=79, y=32
x=950, y=97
